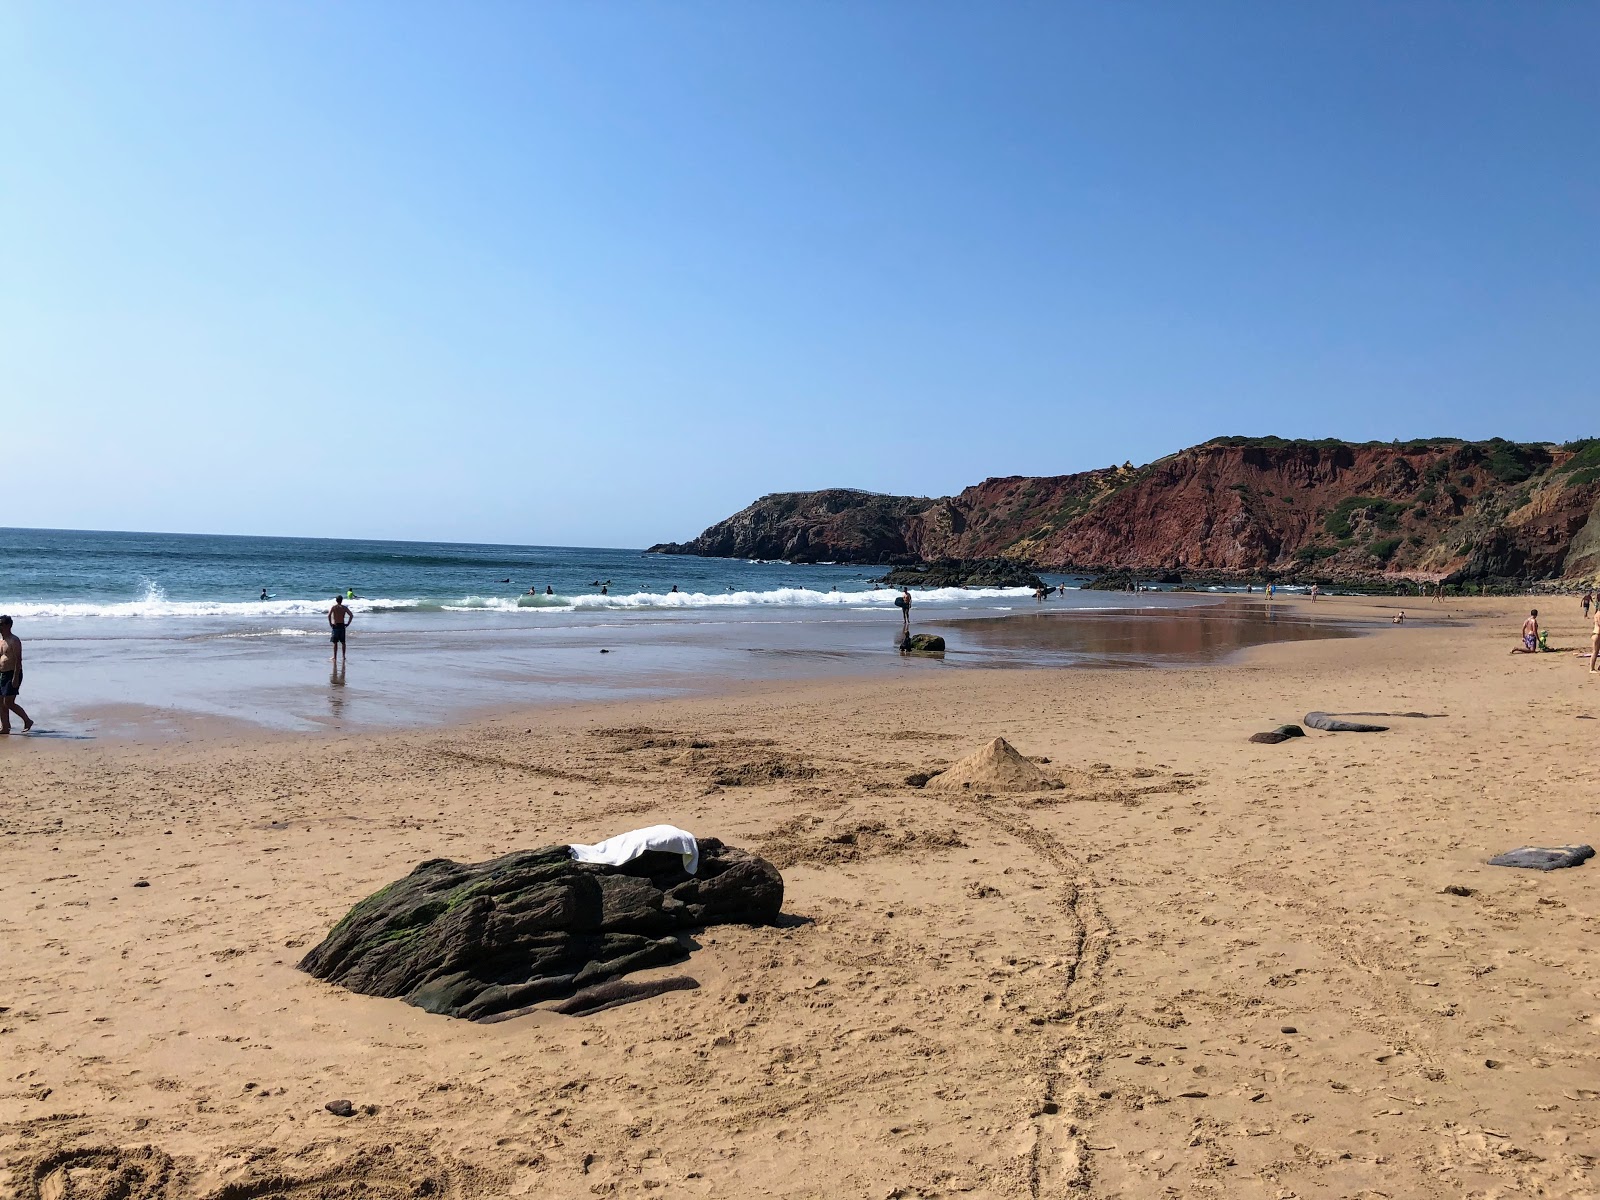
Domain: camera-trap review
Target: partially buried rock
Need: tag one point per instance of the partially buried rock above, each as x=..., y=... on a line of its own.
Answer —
x=922, y=643
x=1543, y=858
x=340, y=1108
x=995, y=768
x=1329, y=723
x=475, y=939
x=1281, y=734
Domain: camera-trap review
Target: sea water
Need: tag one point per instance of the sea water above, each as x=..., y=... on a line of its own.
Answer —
x=80, y=575
x=124, y=631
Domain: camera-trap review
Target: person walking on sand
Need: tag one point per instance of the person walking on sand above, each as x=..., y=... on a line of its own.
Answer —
x=339, y=618
x=1530, y=635
x=1588, y=599
x=1594, y=644
x=11, y=678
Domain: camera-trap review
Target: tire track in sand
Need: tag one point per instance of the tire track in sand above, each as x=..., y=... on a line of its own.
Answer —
x=1058, y=1159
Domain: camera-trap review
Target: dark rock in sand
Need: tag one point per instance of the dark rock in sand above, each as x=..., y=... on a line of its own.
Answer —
x=924, y=643
x=957, y=572
x=1281, y=734
x=475, y=939
x=619, y=992
x=340, y=1108
x=1332, y=724
x=1539, y=858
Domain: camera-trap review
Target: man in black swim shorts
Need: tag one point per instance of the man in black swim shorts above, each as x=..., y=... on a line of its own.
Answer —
x=339, y=618
x=11, y=678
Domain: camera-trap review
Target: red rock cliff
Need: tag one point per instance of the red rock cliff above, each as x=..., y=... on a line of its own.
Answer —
x=1423, y=509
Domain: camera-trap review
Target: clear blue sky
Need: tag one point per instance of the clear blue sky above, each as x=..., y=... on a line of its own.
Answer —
x=602, y=272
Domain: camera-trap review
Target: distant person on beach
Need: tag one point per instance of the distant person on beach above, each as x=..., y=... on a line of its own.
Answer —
x=1530, y=635
x=903, y=603
x=11, y=678
x=1400, y=617
x=1588, y=599
x=339, y=618
x=1316, y=592
x=1272, y=590
x=1594, y=644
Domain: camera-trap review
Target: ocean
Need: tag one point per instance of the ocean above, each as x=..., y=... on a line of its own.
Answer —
x=130, y=633
x=70, y=574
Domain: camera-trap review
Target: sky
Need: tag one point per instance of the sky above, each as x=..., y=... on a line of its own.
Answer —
x=602, y=273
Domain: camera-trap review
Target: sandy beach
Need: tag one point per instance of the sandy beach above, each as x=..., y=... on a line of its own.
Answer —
x=1201, y=967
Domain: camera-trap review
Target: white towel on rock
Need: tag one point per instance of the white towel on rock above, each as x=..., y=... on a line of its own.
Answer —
x=626, y=847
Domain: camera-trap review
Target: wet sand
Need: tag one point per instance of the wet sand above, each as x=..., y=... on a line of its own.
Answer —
x=408, y=673
x=1202, y=967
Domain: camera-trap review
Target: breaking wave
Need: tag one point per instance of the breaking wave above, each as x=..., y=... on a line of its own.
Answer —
x=155, y=605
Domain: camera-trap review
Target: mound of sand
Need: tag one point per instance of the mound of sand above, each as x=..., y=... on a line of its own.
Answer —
x=995, y=768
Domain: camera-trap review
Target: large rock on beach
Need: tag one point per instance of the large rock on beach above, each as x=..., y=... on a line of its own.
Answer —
x=995, y=768
x=477, y=940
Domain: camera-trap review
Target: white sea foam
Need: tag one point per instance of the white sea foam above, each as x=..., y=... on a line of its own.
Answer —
x=774, y=598
x=155, y=605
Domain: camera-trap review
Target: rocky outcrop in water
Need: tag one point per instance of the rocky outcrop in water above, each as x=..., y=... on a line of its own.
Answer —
x=988, y=573
x=478, y=940
x=1232, y=508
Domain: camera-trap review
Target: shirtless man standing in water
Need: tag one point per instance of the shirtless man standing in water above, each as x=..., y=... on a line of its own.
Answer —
x=339, y=618
x=11, y=678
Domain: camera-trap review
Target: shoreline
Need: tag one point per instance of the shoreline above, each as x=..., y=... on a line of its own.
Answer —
x=1082, y=989
x=144, y=688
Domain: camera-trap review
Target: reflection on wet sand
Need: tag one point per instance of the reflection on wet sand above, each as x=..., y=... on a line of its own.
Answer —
x=1137, y=637
x=336, y=693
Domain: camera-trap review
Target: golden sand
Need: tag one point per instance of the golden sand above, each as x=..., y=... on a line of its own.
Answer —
x=1202, y=967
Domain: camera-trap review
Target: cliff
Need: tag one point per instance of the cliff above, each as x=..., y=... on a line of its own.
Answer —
x=1428, y=509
